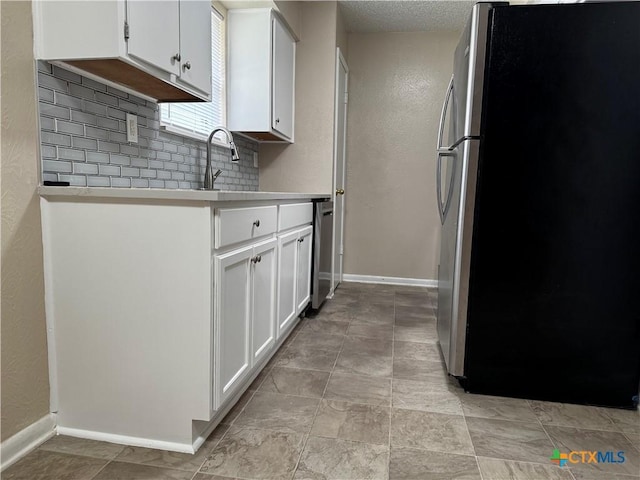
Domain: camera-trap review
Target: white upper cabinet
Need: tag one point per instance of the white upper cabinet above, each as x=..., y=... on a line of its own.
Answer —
x=195, y=44
x=160, y=43
x=159, y=49
x=261, y=77
x=283, y=76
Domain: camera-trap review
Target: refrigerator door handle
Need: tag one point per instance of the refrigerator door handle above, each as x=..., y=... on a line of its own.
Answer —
x=442, y=151
x=443, y=114
x=443, y=207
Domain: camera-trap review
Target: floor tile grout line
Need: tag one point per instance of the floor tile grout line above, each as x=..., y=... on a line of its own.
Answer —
x=541, y=425
x=101, y=469
x=315, y=415
x=478, y=465
x=393, y=347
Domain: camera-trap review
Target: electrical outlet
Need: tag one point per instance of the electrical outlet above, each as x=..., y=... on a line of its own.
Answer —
x=255, y=159
x=132, y=128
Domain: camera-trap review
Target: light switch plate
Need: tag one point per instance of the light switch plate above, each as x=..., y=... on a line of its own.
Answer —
x=255, y=159
x=132, y=128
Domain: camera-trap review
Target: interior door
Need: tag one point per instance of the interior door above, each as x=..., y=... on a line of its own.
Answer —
x=154, y=33
x=339, y=166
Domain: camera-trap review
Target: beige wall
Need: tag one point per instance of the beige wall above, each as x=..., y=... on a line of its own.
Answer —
x=342, y=37
x=307, y=165
x=396, y=87
x=291, y=12
x=25, y=382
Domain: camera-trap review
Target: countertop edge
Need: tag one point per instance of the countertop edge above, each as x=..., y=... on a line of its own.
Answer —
x=167, y=194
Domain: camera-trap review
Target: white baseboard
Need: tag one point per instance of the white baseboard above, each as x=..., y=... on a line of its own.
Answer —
x=26, y=440
x=416, y=282
x=126, y=440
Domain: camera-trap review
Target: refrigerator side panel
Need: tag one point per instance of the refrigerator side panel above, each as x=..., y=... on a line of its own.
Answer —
x=553, y=310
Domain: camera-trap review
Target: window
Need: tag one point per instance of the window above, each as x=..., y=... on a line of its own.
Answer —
x=199, y=118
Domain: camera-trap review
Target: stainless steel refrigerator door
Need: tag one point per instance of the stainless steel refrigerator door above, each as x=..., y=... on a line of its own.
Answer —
x=456, y=200
x=468, y=67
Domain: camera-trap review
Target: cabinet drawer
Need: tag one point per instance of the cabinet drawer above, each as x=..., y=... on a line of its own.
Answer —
x=295, y=215
x=234, y=225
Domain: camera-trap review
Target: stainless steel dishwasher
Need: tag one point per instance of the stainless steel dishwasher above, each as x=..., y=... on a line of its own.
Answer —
x=322, y=251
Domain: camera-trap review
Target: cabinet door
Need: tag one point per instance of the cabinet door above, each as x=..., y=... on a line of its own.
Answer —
x=287, y=272
x=303, y=287
x=195, y=44
x=232, y=322
x=283, y=79
x=263, y=327
x=154, y=33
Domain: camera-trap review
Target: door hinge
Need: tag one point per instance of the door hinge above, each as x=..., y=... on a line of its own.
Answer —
x=126, y=31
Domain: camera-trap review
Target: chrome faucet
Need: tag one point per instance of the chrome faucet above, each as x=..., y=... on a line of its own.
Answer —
x=209, y=176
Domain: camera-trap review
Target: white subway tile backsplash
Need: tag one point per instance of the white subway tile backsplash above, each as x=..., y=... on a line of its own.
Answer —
x=55, y=139
x=70, y=154
x=85, y=168
x=84, y=140
x=109, y=170
x=66, y=74
x=120, y=182
x=98, y=182
x=68, y=127
x=120, y=160
x=140, y=183
x=67, y=100
x=97, y=133
x=74, y=180
x=98, y=157
x=87, y=143
x=96, y=108
x=57, y=166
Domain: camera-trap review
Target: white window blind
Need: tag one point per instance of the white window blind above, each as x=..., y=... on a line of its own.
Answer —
x=199, y=118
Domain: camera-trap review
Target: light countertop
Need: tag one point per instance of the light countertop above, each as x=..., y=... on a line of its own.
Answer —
x=167, y=194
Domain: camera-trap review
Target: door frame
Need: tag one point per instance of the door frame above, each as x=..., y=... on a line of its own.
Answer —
x=340, y=62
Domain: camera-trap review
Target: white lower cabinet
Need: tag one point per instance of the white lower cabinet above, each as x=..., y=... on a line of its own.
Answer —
x=177, y=331
x=231, y=331
x=244, y=326
x=303, y=277
x=263, y=325
x=294, y=275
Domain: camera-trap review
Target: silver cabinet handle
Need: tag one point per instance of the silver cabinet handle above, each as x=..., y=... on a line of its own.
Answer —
x=176, y=57
x=187, y=66
x=256, y=223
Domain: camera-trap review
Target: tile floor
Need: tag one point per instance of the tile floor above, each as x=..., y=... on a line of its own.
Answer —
x=359, y=391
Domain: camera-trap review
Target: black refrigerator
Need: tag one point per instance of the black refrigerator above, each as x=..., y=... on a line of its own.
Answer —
x=539, y=197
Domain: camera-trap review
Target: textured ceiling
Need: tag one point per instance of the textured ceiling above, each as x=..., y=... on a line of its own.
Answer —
x=404, y=16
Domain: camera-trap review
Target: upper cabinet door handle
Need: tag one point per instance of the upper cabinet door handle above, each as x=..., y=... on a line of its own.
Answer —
x=176, y=57
x=256, y=223
x=187, y=65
